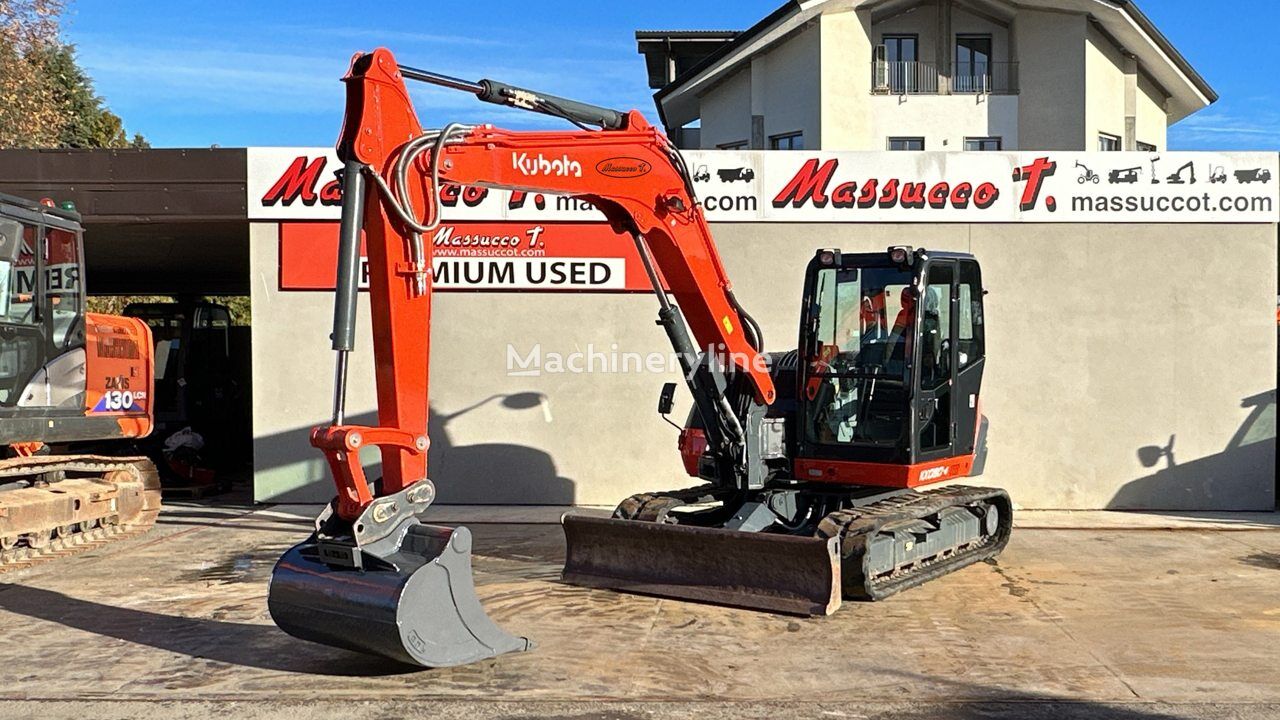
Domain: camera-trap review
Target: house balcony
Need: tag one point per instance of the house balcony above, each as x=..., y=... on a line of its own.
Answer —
x=927, y=78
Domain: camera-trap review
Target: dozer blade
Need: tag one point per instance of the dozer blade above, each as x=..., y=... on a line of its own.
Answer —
x=416, y=605
x=776, y=573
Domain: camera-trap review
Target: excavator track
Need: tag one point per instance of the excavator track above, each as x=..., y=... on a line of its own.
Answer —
x=54, y=506
x=868, y=552
x=912, y=532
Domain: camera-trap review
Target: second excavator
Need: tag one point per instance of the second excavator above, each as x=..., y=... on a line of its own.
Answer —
x=808, y=460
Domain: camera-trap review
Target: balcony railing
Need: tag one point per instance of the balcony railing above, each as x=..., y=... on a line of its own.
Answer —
x=904, y=78
x=924, y=78
x=991, y=78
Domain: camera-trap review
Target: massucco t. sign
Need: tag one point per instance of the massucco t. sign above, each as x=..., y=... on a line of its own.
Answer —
x=301, y=184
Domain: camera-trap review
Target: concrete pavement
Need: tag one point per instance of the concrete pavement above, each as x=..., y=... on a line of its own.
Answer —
x=1073, y=623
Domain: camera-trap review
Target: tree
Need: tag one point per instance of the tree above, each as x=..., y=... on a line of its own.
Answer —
x=46, y=98
x=30, y=114
x=88, y=124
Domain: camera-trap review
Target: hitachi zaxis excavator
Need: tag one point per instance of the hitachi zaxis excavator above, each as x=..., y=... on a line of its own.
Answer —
x=75, y=388
x=807, y=458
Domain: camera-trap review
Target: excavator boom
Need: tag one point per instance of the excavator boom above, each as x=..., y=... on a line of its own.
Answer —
x=393, y=172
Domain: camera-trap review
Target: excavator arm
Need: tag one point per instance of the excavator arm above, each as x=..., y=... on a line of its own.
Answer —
x=371, y=558
x=627, y=169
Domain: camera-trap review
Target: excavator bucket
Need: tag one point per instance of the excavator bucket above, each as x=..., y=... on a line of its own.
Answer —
x=412, y=601
x=776, y=573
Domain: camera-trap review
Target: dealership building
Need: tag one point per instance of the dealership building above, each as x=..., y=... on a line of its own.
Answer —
x=1130, y=330
x=1131, y=341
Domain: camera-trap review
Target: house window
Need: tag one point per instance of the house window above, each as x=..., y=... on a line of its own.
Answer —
x=1146, y=147
x=736, y=145
x=973, y=64
x=900, y=70
x=982, y=144
x=789, y=141
x=906, y=143
x=1108, y=143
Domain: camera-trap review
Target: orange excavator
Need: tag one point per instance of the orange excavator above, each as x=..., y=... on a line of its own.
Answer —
x=807, y=459
x=75, y=388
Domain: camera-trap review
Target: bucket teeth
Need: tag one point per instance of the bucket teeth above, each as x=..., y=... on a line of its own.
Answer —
x=417, y=606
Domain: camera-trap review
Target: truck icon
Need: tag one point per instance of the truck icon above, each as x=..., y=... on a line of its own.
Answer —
x=1261, y=175
x=744, y=174
x=1126, y=176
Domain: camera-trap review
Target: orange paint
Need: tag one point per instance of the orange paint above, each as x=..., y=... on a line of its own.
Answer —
x=120, y=372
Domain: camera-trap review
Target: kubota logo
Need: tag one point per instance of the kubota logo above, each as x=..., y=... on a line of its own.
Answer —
x=562, y=166
x=623, y=167
x=935, y=473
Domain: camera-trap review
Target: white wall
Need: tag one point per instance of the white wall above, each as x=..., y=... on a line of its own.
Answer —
x=791, y=87
x=1104, y=110
x=944, y=120
x=726, y=112
x=845, y=77
x=1153, y=120
x=1051, y=49
x=1101, y=339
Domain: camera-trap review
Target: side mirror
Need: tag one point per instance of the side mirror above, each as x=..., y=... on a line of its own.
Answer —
x=667, y=398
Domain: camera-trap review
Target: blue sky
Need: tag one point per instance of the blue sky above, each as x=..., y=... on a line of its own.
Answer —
x=237, y=73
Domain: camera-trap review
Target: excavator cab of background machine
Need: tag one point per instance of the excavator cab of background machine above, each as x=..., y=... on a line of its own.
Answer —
x=904, y=394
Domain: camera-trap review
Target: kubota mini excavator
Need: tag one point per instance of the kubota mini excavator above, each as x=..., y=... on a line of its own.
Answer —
x=808, y=457
x=67, y=378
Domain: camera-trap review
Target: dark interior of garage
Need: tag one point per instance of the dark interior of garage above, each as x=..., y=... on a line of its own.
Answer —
x=167, y=241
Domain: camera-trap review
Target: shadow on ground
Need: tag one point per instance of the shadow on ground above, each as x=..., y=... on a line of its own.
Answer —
x=250, y=645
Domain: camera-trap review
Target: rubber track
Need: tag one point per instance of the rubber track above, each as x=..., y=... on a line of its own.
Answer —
x=856, y=526
x=654, y=506
x=23, y=557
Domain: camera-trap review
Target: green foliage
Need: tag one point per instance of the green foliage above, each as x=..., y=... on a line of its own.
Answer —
x=46, y=98
x=88, y=124
x=115, y=304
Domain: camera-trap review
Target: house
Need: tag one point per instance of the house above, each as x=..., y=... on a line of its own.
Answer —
x=926, y=75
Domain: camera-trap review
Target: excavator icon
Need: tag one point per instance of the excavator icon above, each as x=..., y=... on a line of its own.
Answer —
x=1177, y=177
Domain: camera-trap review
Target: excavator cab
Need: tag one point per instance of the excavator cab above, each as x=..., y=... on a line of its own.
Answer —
x=893, y=347
x=879, y=398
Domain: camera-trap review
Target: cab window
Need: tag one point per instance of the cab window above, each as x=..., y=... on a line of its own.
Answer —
x=857, y=372
x=63, y=289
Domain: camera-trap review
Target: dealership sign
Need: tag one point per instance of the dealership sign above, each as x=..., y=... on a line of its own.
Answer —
x=482, y=256
x=514, y=240
x=796, y=186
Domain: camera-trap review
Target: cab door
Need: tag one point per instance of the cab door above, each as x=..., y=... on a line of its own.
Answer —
x=23, y=329
x=935, y=396
x=969, y=354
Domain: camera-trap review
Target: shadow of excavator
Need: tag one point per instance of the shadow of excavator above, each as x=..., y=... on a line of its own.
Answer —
x=235, y=643
x=1228, y=480
x=494, y=473
x=486, y=473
